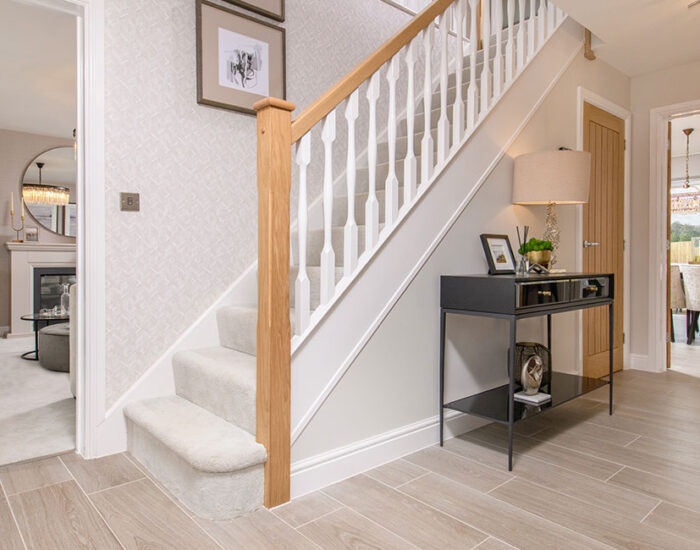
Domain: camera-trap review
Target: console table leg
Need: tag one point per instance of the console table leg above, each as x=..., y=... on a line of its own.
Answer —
x=443, y=315
x=511, y=392
x=612, y=354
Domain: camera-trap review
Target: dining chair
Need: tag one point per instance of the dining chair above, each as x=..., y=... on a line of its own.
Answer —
x=677, y=295
x=691, y=285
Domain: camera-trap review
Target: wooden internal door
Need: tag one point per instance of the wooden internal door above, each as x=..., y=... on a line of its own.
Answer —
x=604, y=223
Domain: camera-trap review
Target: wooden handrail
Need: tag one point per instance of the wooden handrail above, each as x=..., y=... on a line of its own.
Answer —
x=315, y=112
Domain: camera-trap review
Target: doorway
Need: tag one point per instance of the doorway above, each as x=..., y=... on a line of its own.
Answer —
x=683, y=228
x=39, y=193
x=604, y=233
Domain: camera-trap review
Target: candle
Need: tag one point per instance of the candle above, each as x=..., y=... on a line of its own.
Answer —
x=12, y=204
x=23, y=208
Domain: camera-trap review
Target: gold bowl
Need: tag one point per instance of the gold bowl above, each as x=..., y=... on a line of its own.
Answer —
x=542, y=257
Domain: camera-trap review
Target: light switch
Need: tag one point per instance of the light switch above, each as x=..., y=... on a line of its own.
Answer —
x=129, y=202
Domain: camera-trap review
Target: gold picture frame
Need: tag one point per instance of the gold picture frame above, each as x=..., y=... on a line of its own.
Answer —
x=240, y=59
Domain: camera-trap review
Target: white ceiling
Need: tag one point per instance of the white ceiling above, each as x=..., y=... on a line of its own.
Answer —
x=38, y=68
x=640, y=36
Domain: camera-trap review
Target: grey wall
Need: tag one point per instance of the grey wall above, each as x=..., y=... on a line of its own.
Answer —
x=666, y=87
x=394, y=380
x=193, y=165
x=17, y=150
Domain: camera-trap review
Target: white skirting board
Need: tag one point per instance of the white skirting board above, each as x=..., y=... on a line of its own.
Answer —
x=330, y=467
x=641, y=362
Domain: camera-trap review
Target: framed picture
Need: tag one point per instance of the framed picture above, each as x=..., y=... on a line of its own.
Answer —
x=274, y=9
x=31, y=233
x=240, y=60
x=499, y=254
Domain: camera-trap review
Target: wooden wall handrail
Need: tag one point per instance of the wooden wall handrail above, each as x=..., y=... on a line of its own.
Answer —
x=315, y=112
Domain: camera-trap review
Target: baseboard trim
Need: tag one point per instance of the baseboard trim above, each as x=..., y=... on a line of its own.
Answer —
x=641, y=362
x=338, y=464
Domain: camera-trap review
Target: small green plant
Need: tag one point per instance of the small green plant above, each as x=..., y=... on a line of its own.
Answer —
x=535, y=245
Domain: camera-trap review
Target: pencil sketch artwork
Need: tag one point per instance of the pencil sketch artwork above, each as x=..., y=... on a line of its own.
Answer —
x=243, y=63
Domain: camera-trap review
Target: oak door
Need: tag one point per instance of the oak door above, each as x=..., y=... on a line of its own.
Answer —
x=604, y=224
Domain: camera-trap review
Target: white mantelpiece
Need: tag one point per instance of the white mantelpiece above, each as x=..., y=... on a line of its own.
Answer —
x=24, y=258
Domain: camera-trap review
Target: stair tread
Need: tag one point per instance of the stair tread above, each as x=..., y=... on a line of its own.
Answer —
x=203, y=440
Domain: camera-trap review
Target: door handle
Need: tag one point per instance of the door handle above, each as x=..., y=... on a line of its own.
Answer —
x=586, y=244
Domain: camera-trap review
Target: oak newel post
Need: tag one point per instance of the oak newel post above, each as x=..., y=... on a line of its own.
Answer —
x=274, y=332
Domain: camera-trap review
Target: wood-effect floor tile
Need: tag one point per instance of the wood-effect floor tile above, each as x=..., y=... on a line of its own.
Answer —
x=495, y=517
x=494, y=544
x=101, y=473
x=676, y=520
x=602, y=525
x=61, y=517
x=347, y=530
x=143, y=517
x=462, y=470
x=403, y=515
x=305, y=509
x=259, y=530
x=27, y=476
x=675, y=492
x=9, y=533
x=396, y=473
x=631, y=504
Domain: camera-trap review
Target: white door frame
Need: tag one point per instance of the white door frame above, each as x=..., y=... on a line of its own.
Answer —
x=587, y=96
x=658, y=173
x=90, y=268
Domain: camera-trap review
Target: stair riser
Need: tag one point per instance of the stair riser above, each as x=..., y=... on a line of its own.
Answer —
x=238, y=329
x=218, y=496
x=219, y=395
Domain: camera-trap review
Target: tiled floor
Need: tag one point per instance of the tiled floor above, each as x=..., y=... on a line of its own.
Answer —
x=684, y=358
x=582, y=480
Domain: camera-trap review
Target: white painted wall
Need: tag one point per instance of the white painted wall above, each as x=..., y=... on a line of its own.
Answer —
x=193, y=165
x=666, y=87
x=393, y=383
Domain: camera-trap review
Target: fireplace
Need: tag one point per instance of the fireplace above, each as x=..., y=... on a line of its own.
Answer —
x=48, y=286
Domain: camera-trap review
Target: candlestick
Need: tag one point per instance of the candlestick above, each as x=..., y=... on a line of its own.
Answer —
x=12, y=218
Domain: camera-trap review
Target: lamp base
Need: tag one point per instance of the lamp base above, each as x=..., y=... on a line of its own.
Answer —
x=551, y=231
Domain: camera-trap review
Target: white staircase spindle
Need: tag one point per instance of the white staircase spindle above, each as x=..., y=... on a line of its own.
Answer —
x=458, y=106
x=302, y=285
x=443, y=133
x=372, y=204
x=531, y=29
x=391, y=186
x=497, y=5
x=486, y=70
x=410, y=169
x=350, y=232
x=510, y=44
x=327, y=253
x=541, y=24
x=472, y=91
x=520, y=47
x=551, y=18
x=427, y=141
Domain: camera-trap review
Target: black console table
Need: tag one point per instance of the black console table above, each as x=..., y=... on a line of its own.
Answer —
x=514, y=297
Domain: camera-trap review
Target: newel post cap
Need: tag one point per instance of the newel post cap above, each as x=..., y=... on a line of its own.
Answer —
x=274, y=102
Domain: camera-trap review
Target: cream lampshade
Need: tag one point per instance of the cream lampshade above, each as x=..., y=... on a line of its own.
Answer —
x=552, y=177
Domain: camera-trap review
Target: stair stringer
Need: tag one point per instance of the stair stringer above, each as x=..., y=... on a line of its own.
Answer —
x=320, y=361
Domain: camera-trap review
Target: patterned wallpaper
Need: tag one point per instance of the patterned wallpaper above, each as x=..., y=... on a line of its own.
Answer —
x=194, y=166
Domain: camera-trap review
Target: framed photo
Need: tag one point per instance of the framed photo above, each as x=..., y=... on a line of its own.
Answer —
x=31, y=233
x=240, y=60
x=274, y=9
x=499, y=254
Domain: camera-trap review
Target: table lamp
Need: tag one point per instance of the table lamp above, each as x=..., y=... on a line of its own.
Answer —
x=551, y=178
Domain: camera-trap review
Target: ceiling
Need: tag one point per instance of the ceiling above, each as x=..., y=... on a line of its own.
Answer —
x=38, y=68
x=640, y=36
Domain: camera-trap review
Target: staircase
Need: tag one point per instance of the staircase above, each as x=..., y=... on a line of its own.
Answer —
x=201, y=442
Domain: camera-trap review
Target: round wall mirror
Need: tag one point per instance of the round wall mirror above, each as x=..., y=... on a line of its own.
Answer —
x=49, y=191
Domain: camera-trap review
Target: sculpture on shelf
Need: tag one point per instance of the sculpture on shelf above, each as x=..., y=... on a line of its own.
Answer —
x=531, y=375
